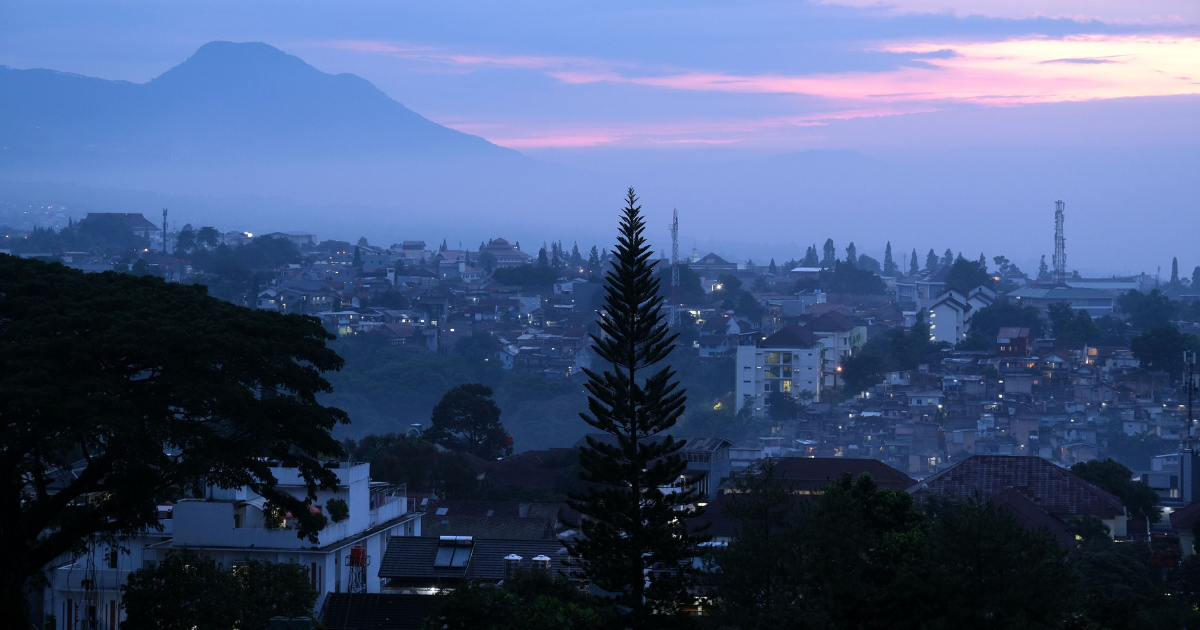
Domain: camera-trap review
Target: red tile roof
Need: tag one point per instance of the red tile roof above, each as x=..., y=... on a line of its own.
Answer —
x=1053, y=489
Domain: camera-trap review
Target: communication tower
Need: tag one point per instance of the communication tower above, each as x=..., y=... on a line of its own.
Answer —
x=165, y=231
x=1060, y=244
x=675, y=259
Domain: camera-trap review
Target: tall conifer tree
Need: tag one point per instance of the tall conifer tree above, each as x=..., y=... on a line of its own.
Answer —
x=635, y=543
x=889, y=263
x=913, y=269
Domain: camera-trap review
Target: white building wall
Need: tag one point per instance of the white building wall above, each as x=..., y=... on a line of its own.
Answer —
x=946, y=323
x=803, y=371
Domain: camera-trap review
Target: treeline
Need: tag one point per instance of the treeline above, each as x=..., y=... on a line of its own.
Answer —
x=855, y=556
x=387, y=389
x=105, y=234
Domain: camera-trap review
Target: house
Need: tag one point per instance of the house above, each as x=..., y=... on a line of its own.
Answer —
x=1014, y=342
x=707, y=461
x=948, y=318
x=426, y=566
x=139, y=224
x=269, y=300
x=838, y=334
x=1184, y=522
x=493, y=519
x=1055, y=491
x=790, y=361
x=231, y=525
x=721, y=336
x=712, y=265
x=504, y=254
x=414, y=251
x=808, y=475
x=301, y=239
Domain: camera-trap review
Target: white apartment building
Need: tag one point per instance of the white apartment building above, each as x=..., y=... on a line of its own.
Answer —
x=948, y=318
x=791, y=361
x=229, y=525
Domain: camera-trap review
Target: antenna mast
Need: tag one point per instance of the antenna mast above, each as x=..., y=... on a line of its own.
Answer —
x=165, y=231
x=1060, y=244
x=675, y=259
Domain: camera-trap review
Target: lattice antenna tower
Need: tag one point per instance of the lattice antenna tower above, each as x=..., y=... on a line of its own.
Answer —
x=675, y=258
x=1060, y=244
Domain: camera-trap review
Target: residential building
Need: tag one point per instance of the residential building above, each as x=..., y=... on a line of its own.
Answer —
x=505, y=254
x=790, y=361
x=948, y=318
x=1043, y=487
x=1014, y=342
x=232, y=526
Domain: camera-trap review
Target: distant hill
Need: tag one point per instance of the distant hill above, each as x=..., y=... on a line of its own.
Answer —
x=230, y=101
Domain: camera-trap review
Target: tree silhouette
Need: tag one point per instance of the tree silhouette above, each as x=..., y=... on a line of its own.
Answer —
x=636, y=545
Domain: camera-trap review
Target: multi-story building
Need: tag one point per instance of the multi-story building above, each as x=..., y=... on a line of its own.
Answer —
x=790, y=361
x=235, y=525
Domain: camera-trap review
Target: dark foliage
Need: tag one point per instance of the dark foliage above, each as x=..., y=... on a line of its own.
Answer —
x=527, y=275
x=1139, y=498
x=1072, y=327
x=1148, y=310
x=845, y=277
x=632, y=525
x=158, y=388
x=987, y=322
x=528, y=601
x=189, y=591
x=1162, y=349
x=416, y=462
x=892, y=351
x=965, y=275
x=467, y=419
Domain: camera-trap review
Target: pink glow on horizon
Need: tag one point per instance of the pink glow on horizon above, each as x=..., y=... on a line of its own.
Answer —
x=1011, y=72
x=1008, y=73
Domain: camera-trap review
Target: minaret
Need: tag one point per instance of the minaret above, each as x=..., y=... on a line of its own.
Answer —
x=1060, y=244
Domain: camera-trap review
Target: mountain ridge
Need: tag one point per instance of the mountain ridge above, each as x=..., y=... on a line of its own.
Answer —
x=228, y=101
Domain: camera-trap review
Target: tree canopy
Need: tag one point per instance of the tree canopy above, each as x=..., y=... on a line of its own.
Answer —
x=1162, y=348
x=190, y=591
x=467, y=419
x=149, y=390
x=1139, y=498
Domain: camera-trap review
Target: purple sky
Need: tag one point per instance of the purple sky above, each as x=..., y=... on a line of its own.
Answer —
x=642, y=90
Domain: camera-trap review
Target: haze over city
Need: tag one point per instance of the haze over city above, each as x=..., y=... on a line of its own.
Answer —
x=770, y=126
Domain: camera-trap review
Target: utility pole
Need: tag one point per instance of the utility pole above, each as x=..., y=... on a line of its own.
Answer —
x=165, y=231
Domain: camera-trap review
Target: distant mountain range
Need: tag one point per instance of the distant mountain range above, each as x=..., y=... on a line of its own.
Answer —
x=229, y=101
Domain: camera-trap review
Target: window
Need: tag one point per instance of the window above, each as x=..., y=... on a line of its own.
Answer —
x=772, y=357
x=112, y=557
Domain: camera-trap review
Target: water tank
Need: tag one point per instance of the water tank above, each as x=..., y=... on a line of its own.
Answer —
x=541, y=563
x=358, y=556
x=512, y=564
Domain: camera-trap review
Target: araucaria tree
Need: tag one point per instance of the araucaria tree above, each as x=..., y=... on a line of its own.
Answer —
x=636, y=541
x=119, y=392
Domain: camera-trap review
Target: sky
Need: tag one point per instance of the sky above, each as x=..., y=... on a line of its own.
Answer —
x=636, y=89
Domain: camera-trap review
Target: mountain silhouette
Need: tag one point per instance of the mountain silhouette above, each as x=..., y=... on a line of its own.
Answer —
x=230, y=101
